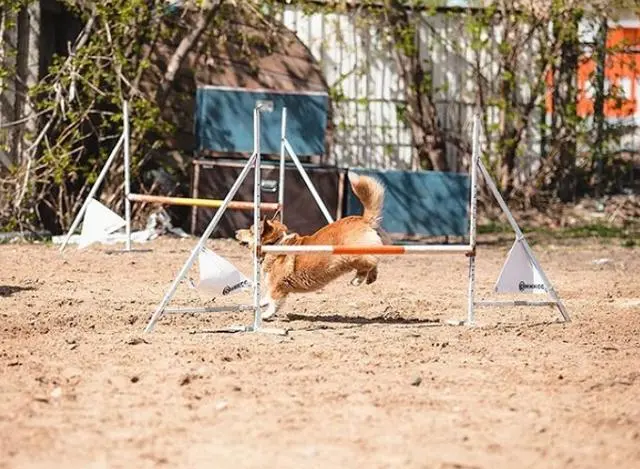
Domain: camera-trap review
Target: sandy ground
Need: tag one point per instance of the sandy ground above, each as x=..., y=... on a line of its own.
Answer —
x=368, y=377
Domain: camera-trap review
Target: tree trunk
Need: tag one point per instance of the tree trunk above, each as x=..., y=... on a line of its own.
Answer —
x=507, y=143
x=507, y=164
x=427, y=138
x=429, y=149
x=598, y=105
x=186, y=44
x=4, y=102
x=565, y=121
x=8, y=96
x=28, y=72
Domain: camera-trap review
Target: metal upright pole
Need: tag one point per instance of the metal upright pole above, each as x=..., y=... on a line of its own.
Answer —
x=310, y=186
x=473, y=209
x=257, y=321
x=283, y=134
x=203, y=239
x=127, y=175
x=93, y=191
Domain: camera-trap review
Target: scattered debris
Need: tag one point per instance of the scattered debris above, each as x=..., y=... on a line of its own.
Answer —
x=439, y=344
x=135, y=379
x=221, y=405
x=137, y=341
x=22, y=236
x=417, y=381
x=455, y=322
x=602, y=261
x=71, y=374
x=158, y=224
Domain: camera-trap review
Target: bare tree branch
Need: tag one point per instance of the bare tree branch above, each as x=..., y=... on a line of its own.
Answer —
x=186, y=44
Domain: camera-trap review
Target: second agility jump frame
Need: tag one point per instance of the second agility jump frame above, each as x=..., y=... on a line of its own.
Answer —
x=255, y=162
x=124, y=144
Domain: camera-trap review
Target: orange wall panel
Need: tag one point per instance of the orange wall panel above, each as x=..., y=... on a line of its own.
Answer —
x=622, y=71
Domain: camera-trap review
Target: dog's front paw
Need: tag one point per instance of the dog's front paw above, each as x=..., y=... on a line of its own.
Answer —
x=357, y=280
x=269, y=313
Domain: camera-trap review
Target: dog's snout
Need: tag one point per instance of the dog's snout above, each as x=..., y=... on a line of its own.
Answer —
x=243, y=236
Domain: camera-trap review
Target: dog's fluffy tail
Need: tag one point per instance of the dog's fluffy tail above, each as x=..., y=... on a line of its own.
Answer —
x=371, y=194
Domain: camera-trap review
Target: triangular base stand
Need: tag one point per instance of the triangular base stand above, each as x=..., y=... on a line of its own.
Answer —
x=521, y=272
x=99, y=222
x=197, y=251
x=218, y=276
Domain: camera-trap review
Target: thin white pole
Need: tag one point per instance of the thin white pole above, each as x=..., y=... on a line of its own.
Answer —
x=283, y=133
x=257, y=321
x=308, y=182
x=208, y=309
x=473, y=211
x=203, y=239
x=515, y=303
x=503, y=205
x=93, y=191
x=127, y=175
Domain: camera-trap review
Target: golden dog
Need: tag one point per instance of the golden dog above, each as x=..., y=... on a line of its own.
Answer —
x=301, y=273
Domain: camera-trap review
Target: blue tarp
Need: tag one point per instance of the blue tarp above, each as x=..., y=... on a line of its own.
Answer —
x=224, y=120
x=427, y=203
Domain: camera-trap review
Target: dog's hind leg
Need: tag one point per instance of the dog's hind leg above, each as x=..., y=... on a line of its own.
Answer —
x=366, y=270
x=372, y=275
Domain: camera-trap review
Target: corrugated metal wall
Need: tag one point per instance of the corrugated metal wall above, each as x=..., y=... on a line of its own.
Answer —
x=369, y=133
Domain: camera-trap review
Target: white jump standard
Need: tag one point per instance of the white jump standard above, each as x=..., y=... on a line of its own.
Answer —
x=129, y=197
x=521, y=268
x=255, y=163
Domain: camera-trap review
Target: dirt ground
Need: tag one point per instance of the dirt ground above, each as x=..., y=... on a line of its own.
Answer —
x=368, y=377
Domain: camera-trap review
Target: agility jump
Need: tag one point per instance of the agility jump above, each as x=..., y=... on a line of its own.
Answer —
x=505, y=282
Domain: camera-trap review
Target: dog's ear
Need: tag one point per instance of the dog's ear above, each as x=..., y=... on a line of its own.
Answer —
x=267, y=227
x=276, y=214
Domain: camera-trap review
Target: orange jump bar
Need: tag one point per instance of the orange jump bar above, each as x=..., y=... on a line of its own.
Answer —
x=210, y=203
x=361, y=250
x=357, y=250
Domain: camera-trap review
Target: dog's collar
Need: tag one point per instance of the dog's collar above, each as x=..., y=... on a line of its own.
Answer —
x=282, y=240
x=286, y=237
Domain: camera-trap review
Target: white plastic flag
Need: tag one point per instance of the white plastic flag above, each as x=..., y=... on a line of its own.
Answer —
x=218, y=276
x=98, y=222
x=519, y=273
